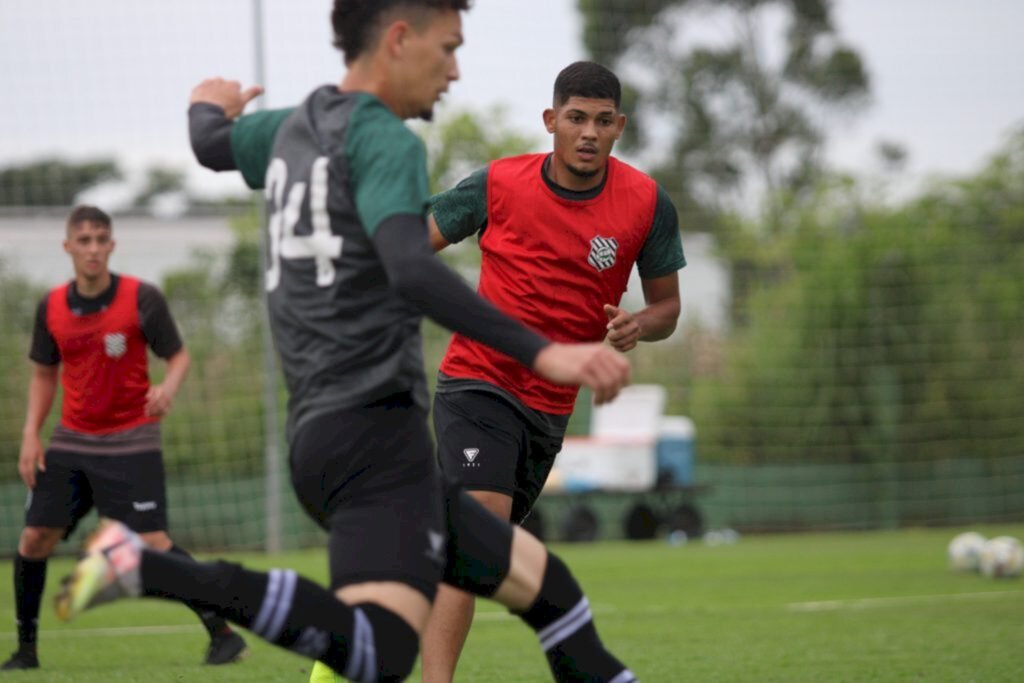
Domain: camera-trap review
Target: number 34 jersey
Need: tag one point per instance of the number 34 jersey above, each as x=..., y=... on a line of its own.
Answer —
x=332, y=170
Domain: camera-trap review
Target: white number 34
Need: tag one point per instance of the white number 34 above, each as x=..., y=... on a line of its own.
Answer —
x=322, y=246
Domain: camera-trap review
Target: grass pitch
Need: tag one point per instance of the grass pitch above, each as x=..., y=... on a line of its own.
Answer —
x=878, y=606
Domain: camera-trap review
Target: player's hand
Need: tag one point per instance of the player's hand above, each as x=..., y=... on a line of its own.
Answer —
x=595, y=366
x=31, y=458
x=623, y=329
x=228, y=95
x=158, y=401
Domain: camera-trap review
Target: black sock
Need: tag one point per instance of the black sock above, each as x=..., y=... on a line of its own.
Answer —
x=29, y=581
x=212, y=622
x=280, y=607
x=561, y=617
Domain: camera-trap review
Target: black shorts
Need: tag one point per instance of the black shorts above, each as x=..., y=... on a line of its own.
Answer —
x=128, y=488
x=486, y=444
x=368, y=476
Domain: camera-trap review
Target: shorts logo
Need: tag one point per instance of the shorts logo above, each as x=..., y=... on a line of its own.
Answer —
x=144, y=506
x=602, y=252
x=471, y=454
x=436, y=552
x=115, y=344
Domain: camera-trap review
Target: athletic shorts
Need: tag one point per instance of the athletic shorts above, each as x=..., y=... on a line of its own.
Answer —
x=369, y=478
x=486, y=444
x=128, y=488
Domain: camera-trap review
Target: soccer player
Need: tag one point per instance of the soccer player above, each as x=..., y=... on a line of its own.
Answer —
x=105, y=452
x=559, y=234
x=350, y=272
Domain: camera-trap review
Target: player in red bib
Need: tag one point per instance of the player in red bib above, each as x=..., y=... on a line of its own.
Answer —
x=94, y=332
x=559, y=234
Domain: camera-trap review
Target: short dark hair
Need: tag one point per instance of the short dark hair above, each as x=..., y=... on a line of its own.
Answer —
x=587, y=79
x=84, y=213
x=357, y=22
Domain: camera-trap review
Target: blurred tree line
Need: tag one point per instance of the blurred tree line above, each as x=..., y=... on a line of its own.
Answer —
x=888, y=332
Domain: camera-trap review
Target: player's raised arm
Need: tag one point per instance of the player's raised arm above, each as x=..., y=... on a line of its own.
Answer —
x=213, y=106
x=225, y=140
x=228, y=95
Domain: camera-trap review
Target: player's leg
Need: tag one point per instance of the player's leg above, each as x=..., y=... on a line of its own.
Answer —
x=493, y=559
x=452, y=614
x=390, y=508
x=61, y=497
x=480, y=442
x=132, y=489
x=384, y=517
x=279, y=606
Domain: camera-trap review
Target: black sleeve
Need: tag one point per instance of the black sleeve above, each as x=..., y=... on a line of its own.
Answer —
x=157, y=324
x=44, y=347
x=422, y=279
x=210, y=133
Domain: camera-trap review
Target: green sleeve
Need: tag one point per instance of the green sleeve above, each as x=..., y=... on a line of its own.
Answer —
x=662, y=253
x=388, y=165
x=252, y=142
x=462, y=210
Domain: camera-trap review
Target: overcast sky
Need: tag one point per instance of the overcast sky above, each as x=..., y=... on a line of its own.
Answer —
x=112, y=76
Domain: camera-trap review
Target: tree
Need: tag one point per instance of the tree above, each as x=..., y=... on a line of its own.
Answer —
x=53, y=182
x=464, y=141
x=741, y=117
x=160, y=180
x=894, y=336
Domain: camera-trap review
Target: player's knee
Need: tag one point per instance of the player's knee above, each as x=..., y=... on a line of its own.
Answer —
x=157, y=540
x=395, y=641
x=38, y=542
x=498, y=504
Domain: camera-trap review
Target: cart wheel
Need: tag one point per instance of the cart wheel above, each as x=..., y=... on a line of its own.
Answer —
x=580, y=525
x=534, y=523
x=640, y=523
x=687, y=519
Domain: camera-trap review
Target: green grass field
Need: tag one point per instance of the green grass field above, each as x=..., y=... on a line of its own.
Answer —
x=879, y=606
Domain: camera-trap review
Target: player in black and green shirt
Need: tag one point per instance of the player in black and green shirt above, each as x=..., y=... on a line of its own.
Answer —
x=350, y=272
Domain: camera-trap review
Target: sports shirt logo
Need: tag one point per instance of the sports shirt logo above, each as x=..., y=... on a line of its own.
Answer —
x=471, y=453
x=602, y=252
x=115, y=344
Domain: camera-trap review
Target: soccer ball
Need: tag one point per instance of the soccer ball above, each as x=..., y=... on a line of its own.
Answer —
x=1002, y=557
x=965, y=551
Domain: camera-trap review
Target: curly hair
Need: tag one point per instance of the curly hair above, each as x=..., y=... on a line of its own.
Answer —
x=357, y=22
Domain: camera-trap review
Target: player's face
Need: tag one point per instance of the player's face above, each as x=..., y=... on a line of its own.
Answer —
x=89, y=245
x=585, y=131
x=429, y=63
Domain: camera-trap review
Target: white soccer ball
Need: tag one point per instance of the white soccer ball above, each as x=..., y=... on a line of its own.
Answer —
x=965, y=551
x=1002, y=557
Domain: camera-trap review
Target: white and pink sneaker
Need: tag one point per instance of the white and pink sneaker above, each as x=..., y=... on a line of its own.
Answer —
x=108, y=571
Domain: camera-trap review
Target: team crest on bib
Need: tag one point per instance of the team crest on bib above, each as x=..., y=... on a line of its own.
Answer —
x=115, y=344
x=602, y=252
